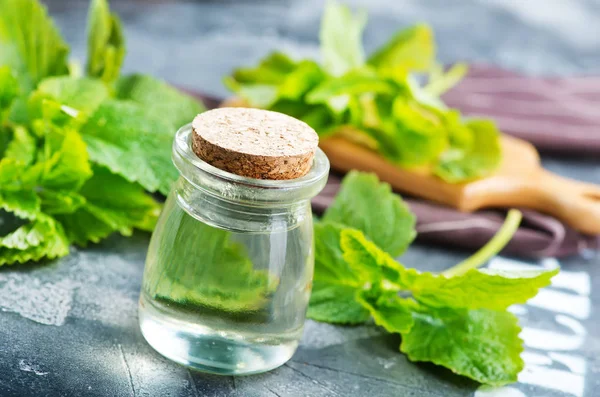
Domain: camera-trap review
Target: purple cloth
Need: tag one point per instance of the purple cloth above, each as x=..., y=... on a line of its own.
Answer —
x=538, y=236
x=558, y=114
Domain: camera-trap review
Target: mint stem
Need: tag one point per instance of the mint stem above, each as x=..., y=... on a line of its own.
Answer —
x=495, y=245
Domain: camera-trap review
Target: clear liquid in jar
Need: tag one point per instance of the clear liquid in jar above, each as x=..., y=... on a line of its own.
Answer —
x=222, y=301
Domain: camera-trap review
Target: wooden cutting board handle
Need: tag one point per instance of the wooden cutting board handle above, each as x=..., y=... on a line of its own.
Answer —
x=576, y=203
x=519, y=182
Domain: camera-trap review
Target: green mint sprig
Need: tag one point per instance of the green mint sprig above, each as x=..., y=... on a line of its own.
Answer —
x=457, y=319
x=78, y=155
x=379, y=96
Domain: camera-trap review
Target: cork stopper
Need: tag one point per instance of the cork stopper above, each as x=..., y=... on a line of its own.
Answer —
x=254, y=143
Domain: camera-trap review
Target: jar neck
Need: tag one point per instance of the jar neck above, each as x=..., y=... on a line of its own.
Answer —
x=215, y=210
x=238, y=203
x=243, y=190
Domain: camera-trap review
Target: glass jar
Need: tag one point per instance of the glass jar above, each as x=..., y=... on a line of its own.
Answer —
x=229, y=268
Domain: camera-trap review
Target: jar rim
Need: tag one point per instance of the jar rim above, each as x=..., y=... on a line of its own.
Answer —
x=193, y=169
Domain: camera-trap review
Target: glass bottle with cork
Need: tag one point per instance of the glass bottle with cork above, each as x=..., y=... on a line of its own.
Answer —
x=229, y=268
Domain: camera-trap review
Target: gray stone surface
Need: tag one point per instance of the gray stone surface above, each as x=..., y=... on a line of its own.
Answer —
x=84, y=339
x=69, y=328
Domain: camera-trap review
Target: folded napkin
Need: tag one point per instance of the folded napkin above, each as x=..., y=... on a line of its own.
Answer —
x=555, y=114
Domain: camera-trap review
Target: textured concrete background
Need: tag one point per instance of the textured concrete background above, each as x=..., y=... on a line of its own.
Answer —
x=196, y=42
x=70, y=328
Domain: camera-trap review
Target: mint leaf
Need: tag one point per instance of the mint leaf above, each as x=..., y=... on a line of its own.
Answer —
x=30, y=44
x=335, y=283
x=129, y=141
x=283, y=81
x=336, y=303
x=64, y=163
x=337, y=93
x=481, y=344
x=111, y=204
x=9, y=90
x=476, y=289
x=55, y=202
x=5, y=138
x=256, y=95
x=411, y=134
x=83, y=94
x=159, y=99
x=480, y=158
x=337, y=278
x=347, y=286
x=48, y=184
x=412, y=49
x=330, y=265
x=41, y=238
x=23, y=203
x=16, y=194
x=366, y=204
x=419, y=94
x=22, y=147
x=480, y=289
x=389, y=311
x=341, y=38
x=272, y=70
x=82, y=226
x=106, y=43
x=457, y=322
x=11, y=172
x=120, y=203
x=303, y=78
x=456, y=319
x=60, y=167
x=373, y=264
x=59, y=183
x=440, y=81
x=342, y=270
x=179, y=276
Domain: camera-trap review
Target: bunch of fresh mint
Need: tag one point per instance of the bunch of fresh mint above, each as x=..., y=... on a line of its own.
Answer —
x=78, y=154
x=457, y=319
x=379, y=97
